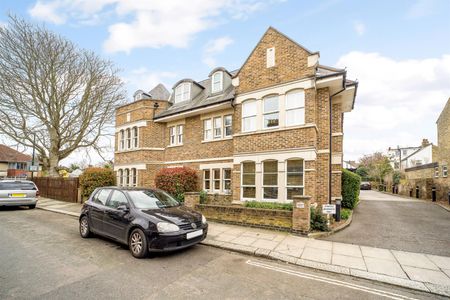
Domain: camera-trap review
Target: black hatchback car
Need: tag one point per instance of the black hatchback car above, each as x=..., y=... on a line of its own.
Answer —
x=147, y=220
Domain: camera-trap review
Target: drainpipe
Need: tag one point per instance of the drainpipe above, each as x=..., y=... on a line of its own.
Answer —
x=330, y=137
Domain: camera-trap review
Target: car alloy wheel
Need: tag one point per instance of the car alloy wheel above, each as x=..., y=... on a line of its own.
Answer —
x=138, y=244
x=84, y=227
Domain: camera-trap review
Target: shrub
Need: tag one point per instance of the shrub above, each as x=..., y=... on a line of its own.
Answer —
x=318, y=220
x=93, y=178
x=177, y=181
x=350, y=189
x=345, y=213
x=203, y=196
x=268, y=205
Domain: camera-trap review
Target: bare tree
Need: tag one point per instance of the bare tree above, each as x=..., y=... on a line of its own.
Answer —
x=50, y=88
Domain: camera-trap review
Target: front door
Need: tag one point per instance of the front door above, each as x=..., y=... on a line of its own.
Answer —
x=116, y=221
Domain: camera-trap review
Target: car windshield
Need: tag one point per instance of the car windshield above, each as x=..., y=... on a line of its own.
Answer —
x=152, y=199
x=17, y=185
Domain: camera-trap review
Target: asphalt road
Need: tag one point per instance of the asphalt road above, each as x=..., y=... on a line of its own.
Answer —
x=43, y=257
x=387, y=221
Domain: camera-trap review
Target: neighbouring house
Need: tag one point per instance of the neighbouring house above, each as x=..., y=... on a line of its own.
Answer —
x=13, y=163
x=269, y=131
x=427, y=168
x=396, y=155
x=350, y=165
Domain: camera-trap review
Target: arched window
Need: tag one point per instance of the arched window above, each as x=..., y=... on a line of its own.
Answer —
x=271, y=112
x=128, y=138
x=249, y=115
x=294, y=178
x=126, y=178
x=135, y=137
x=270, y=179
x=182, y=92
x=119, y=177
x=133, y=177
x=248, y=180
x=121, y=140
x=295, y=108
x=217, y=82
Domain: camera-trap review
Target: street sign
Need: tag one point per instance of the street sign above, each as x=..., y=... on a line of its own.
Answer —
x=34, y=168
x=329, y=209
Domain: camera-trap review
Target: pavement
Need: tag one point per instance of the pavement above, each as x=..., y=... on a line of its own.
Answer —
x=419, y=271
x=398, y=223
x=42, y=256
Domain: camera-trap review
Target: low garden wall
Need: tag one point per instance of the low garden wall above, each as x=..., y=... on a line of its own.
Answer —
x=253, y=217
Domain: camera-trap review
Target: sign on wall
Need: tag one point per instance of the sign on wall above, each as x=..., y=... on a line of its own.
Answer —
x=329, y=209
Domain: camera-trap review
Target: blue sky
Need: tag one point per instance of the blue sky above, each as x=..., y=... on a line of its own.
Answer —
x=398, y=50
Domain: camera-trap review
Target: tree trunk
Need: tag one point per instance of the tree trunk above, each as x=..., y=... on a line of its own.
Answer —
x=53, y=164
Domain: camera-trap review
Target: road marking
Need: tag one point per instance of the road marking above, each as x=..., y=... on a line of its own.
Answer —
x=330, y=281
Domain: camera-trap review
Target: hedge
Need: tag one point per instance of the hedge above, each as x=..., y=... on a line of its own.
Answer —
x=93, y=178
x=350, y=189
x=177, y=181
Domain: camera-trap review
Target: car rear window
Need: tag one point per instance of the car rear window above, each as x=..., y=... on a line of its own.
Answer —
x=17, y=186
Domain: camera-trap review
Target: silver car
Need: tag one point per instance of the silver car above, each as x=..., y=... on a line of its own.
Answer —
x=18, y=193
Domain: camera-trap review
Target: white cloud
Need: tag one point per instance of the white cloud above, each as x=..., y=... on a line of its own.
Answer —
x=148, y=24
x=359, y=28
x=398, y=101
x=421, y=8
x=214, y=47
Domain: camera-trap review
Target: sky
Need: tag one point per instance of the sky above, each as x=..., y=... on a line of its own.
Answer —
x=399, y=51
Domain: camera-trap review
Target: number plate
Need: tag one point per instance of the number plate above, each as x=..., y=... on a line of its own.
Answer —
x=18, y=195
x=194, y=234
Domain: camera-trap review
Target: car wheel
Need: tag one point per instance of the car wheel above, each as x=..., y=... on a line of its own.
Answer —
x=85, y=231
x=138, y=243
x=32, y=206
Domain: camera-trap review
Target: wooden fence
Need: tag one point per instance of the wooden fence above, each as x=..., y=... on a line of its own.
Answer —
x=64, y=189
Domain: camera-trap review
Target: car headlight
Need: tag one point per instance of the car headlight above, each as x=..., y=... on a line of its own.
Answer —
x=203, y=219
x=167, y=227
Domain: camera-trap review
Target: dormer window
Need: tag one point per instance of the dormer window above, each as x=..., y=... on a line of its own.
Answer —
x=182, y=92
x=217, y=82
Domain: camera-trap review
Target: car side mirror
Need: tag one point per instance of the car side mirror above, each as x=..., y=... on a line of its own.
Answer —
x=123, y=208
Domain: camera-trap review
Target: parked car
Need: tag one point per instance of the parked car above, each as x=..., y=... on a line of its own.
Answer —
x=147, y=220
x=365, y=185
x=18, y=193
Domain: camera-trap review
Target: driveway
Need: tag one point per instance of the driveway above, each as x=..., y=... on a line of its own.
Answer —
x=387, y=221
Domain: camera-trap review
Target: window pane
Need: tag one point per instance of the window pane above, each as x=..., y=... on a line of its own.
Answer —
x=228, y=120
x=227, y=173
x=218, y=127
x=207, y=174
x=207, y=186
x=270, y=166
x=295, y=117
x=217, y=184
x=295, y=100
x=270, y=120
x=207, y=124
x=249, y=109
x=270, y=179
x=248, y=167
x=249, y=124
x=228, y=131
x=117, y=199
x=271, y=104
x=295, y=165
x=294, y=179
x=248, y=179
x=249, y=192
x=270, y=193
x=216, y=173
x=294, y=192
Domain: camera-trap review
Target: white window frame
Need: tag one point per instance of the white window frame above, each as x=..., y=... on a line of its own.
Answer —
x=180, y=134
x=270, y=112
x=225, y=180
x=207, y=179
x=286, y=177
x=270, y=186
x=217, y=130
x=214, y=179
x=135, y=137
x=121, y=140
x=251, y=116
x=300, y=108
x=436, y=172
x=246, y=185
x=227, y=126
x=182, y=92
x=211, y=132
x=119, y=177
x=214, y=81
x=270, y=57
x=207, y=130
x=176, y=135
x=134, y=177
x=128, y=141
x=126, y=176
x=444, y=171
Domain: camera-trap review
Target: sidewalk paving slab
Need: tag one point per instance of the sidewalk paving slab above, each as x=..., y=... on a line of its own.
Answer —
x=424, y=272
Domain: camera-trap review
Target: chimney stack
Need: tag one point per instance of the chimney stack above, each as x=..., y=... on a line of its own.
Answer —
x=425, y=143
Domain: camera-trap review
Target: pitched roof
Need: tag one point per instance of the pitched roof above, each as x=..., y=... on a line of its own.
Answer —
x=160, y=92
x=204, y=98
x=446, y=107
x=8, y=154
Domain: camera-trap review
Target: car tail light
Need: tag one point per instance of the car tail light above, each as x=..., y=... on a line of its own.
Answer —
x=37, y=193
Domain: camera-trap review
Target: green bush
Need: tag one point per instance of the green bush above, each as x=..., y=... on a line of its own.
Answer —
x=350, y=188
x=203, y=196
x=177, y=181
x=345, y=213
x=268, y=205
x=93, y=178
x=318, y=220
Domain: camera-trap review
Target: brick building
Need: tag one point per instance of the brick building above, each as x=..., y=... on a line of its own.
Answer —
x=13, y=163
x=261, y=132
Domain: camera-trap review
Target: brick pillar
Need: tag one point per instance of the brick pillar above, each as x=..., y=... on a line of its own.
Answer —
x=301, y=213
x=191, y=199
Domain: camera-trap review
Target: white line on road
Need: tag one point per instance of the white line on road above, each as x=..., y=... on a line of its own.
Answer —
x=330, y=281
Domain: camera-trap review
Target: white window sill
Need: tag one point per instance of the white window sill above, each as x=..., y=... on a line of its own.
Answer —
x=218, y=140
x=218, y=193
x=172, y=146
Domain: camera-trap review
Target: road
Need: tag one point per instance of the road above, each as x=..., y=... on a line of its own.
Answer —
x=43, y=257
x=387, y=221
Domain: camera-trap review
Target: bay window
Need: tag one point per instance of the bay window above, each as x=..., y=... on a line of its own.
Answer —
x=228, y=125
x=270, y=111
x=217, y=82
x=295, y=108
x=249, y=112
x=270, y=179
x=248, y=180
x=294, y=178
x=217, y=127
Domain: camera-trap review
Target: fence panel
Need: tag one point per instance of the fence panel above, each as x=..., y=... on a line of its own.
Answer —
x=64, y=189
